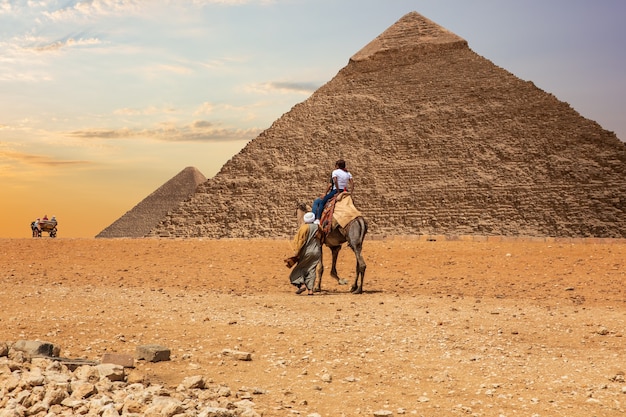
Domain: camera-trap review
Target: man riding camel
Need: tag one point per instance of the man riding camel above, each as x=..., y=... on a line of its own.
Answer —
x=341, y=180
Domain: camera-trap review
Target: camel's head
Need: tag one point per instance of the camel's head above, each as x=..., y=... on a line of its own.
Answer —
x=301, y=209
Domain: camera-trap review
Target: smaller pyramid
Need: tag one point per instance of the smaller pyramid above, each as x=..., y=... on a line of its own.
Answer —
x=146, y=215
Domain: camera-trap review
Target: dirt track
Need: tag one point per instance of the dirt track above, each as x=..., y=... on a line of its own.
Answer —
x=444, y=327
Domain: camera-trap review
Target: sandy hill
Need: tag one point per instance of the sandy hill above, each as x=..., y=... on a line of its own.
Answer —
x=440, y=141
x=144, y=216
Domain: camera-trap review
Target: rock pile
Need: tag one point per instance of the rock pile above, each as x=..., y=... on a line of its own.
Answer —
x=46, y=386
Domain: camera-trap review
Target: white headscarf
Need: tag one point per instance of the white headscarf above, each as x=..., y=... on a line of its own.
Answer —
x=309, y=217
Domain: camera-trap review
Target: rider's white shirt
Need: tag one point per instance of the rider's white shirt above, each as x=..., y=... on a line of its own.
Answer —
x=343, y=178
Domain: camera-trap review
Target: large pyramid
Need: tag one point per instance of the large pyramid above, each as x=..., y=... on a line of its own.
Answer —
x=439, y=140
x=144, y=216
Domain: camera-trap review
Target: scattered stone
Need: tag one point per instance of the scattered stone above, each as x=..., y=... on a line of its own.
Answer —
x=127, y=361
x=36, y=348
x=55, y=396
x=153, y=353
x=165, y=406
x=137, y=377
x=33, y=378
x=87, y=373
x=238, y=355
x=193, y=382
x=82, y=390
x=111, y=371
x=74, y=363
x=382, y=413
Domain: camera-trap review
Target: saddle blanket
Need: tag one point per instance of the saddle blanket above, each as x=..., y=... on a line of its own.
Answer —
x=345, y=211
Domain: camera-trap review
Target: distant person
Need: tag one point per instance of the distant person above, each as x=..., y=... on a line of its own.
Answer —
x=34, y=227
x=341, y=180
x=308, y=252
x=45, y=217
x=53, y=219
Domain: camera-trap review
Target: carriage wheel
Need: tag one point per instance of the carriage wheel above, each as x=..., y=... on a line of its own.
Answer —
x=53, y=232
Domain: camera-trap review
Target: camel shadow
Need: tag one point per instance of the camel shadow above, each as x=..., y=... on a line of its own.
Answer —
x=340, y=292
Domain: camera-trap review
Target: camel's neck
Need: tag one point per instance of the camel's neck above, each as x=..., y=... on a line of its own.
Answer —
x=300, y=217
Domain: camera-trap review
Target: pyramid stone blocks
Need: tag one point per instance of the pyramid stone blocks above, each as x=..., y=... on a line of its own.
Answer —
x=440, y=141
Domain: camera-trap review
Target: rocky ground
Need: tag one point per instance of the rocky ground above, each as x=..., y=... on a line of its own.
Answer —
x=484, y=328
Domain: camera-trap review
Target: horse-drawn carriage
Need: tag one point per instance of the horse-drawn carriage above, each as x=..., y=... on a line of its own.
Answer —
x=48, y=226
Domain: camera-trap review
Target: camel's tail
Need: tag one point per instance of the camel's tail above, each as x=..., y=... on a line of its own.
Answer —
x=362, y=228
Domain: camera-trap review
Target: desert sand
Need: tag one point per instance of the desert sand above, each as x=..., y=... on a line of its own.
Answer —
x=482, y=327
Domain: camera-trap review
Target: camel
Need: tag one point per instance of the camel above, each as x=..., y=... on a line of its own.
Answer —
x=353, y=234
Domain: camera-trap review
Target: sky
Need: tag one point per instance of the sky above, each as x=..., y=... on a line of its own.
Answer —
x=103, y=101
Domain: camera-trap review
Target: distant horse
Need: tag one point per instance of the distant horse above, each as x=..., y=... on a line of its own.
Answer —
x=354, y=234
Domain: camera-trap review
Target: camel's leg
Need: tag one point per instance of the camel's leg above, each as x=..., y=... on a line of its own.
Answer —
x=355, y=240
x=357, y=287
x=333, y=270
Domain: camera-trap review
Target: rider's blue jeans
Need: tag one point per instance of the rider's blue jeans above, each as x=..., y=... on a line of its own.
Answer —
x=319, y=203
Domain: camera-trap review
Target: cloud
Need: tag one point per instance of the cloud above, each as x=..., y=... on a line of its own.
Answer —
x=67, y=43
x=30, y=76
x=90, y=9
x=220, y=63
x=38, y=160
x=197, y=131
x=105, y=133
x=147, y=111
x=283, y=87
x=202, y=124
x=5, y=7
x=156, y=71
x=246, y=112
x=20, y=58
x=205, y=108
x=94, y=8
x=231, y=2
x=176, y=69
